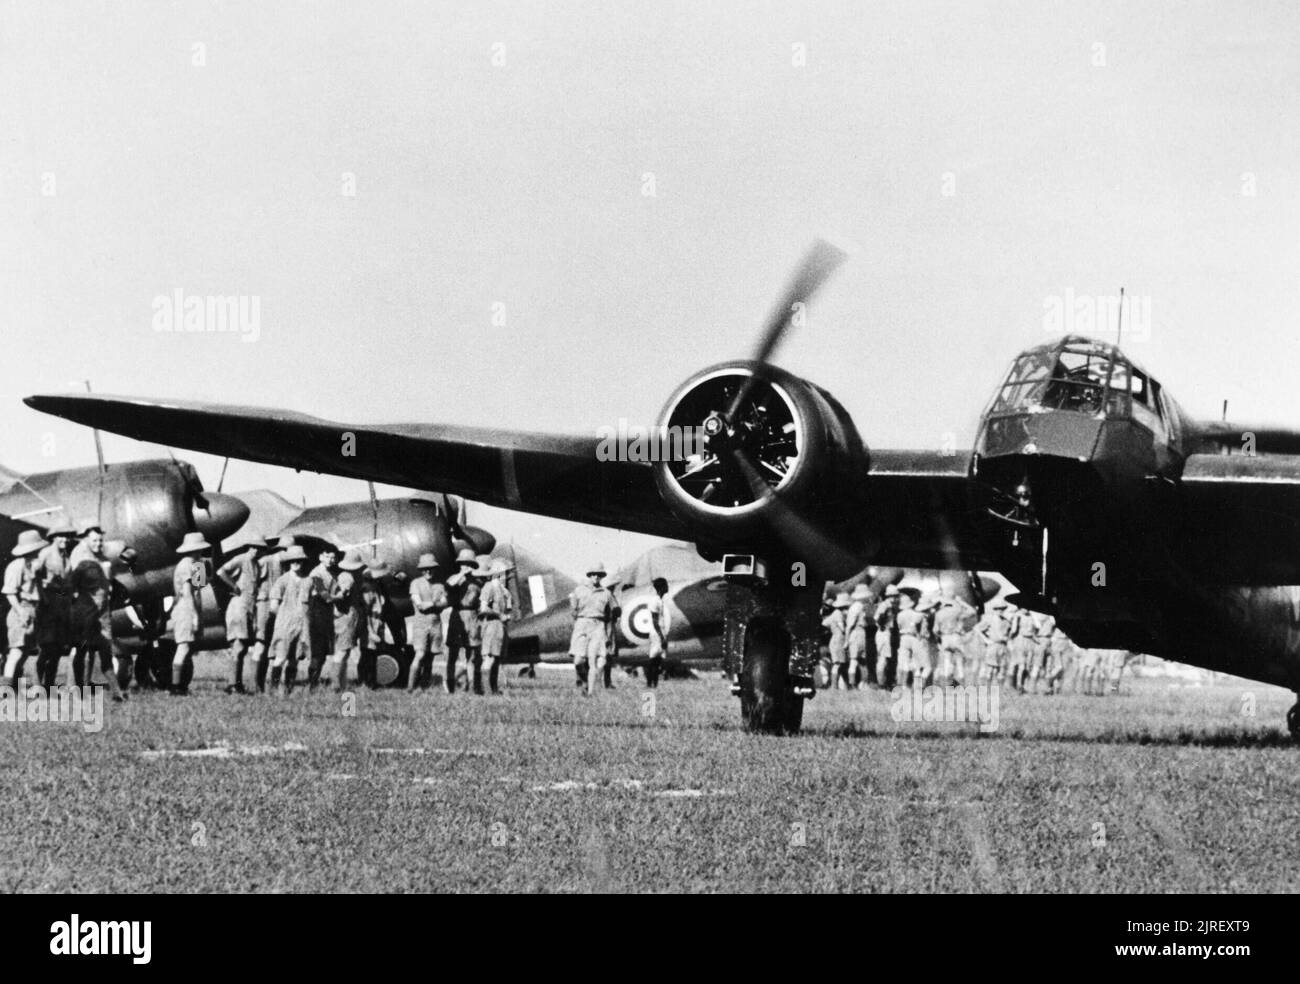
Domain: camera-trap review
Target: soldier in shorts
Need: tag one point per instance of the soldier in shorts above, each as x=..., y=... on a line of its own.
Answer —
x=188, y=580
x=1019, y=629
x=950, y=620
x=270, y=567
x=914, y=667
x=428, y=600
x=320, y=614
x=993, y=630
x=22, y=589
x=592, y=605
x=290, y=600
x=1060, y=651
x=241, y=574
x=887, y=639
x=495, y=608
x=462, y=627
x=857, y=618
x=838, y=646
x=349, y=614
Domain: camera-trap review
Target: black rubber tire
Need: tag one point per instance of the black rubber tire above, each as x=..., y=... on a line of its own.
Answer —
x=764, y=693
x=1293, y=722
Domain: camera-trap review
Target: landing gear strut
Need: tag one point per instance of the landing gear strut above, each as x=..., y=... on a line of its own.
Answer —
x=770, y=646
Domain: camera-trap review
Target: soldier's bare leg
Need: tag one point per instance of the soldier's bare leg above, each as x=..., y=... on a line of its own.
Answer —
x=180, y=685
x=238, y=650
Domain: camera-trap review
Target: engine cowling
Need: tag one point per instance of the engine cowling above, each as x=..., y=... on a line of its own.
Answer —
x=796, y=436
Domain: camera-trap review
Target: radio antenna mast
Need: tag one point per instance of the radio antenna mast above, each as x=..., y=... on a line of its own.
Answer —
x=1119, y=329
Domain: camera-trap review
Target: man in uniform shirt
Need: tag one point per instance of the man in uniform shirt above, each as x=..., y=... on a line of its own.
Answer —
x=375, y=618
x=914, y=667
x=592, y=605
x=462, y=627
x=320, y=614
x=993, y=629
x=54, y=614
x=660, y=627
x=188, y=580
x=1059, y=657
x=838, y=646
x=22, y=589
x=1020, y=647
x=1041, y=627
x=348, y=599
x=241, y=574
x=856, y=620
x=949, y=625
x=428, y=599
x=290, y=600
x=270, y=567
x=495, y=609
x=887, y=639
x=91, y=610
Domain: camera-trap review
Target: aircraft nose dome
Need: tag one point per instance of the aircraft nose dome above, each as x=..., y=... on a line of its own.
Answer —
x=223, y=516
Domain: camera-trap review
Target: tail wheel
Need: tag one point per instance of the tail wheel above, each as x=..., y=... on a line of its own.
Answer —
x=767, y=705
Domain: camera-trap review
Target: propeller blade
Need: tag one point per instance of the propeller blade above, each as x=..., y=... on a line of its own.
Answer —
x=801, y=537
x=821, y=260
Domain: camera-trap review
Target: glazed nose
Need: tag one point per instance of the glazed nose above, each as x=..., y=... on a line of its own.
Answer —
x=224, y=515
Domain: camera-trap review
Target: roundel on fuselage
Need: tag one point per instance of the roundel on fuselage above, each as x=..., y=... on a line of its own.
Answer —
x=635, y=622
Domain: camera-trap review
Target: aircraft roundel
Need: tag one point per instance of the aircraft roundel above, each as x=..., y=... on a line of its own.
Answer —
x=635, y=622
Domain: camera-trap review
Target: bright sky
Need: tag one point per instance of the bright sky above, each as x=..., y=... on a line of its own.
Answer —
x=501, y=263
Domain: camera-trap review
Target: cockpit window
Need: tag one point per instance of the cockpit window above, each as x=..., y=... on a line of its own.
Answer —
x=1065, y=379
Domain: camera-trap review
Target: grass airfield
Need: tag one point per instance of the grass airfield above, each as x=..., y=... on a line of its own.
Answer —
x=1163, y=788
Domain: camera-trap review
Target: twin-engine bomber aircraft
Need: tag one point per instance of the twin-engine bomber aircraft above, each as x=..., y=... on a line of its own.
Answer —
x=1088, y=488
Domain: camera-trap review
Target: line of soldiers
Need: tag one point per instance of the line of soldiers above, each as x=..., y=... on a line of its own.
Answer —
x=60, y=601
x=293, y=615
x=946, y=641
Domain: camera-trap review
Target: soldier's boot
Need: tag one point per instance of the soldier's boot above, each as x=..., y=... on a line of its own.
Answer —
x=494, y=667
x=341, y=673
x=609, y=682
x=79, y=666
x=414, y=676
x=288, y=680
x=478, y=679
x=259, y=674
x=313, y=672
x=277, y=672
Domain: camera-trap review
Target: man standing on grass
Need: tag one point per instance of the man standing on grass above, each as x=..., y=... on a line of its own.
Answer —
x=592, y=605
x=660, y=627
x=241, y=574
x=22, y=589
x=495, y=608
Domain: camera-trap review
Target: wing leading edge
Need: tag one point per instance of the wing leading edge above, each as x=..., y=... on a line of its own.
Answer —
x=919, y=499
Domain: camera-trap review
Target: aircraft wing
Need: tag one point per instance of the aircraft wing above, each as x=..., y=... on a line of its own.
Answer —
x=1241, y=517
x=919, y=499
x=549, y=475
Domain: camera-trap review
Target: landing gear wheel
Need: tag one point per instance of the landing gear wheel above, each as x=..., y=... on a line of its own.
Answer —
x=1293, y=722
x=767, y=705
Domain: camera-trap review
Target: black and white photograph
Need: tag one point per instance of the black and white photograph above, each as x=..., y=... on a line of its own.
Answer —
x=683, y=448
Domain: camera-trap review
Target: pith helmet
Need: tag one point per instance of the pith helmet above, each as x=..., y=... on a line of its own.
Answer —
x=861, y=593
x=193, y=543
x=29, y=542
x=293, y=553
x=842, y=600
x=597, y=568
x=892, y=591
x=467, y=556
x=427, y=561
x=63, y=529
x=351, y=561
